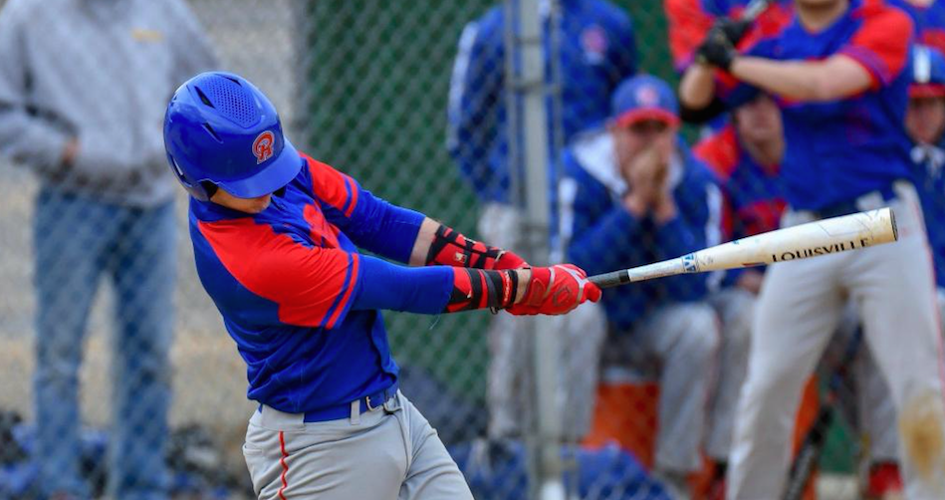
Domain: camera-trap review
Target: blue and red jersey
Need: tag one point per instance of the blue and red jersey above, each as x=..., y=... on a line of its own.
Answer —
x=690, y=20
x=753, y=195
x=299, y=299
x=929, y=21
x=839, y=150
x=596, y=51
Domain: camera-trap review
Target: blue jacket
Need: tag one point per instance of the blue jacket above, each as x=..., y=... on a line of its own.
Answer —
x=605, y=237
x=597, y=52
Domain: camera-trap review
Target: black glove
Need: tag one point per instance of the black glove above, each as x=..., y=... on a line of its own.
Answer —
x=716, y=49
x=734, y=29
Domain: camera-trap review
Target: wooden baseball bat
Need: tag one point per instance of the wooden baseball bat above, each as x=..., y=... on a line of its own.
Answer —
x=822, y=237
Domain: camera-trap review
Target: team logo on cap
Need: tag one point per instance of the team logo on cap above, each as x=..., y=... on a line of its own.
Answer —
x=262, y=146
x=647, y=96
x=594, y=43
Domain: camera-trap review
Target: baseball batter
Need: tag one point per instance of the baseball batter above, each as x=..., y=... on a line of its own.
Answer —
x=276, y=236
x=840, y=71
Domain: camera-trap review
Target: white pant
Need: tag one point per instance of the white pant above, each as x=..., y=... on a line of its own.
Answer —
x=682, y=342
x=875, y=411
x=387, y=454
x=799, y=308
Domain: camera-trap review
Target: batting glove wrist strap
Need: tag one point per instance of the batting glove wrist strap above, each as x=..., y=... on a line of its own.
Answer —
x=450, y=248
x=480, y=289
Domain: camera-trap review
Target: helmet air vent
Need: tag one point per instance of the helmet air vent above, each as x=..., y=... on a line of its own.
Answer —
x=232, y=101
x=212, y=132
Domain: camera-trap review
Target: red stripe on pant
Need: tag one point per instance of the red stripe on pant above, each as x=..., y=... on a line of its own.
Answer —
x=285, y=466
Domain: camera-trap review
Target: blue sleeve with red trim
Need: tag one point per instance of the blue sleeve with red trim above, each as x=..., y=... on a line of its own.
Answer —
x=882, y=44
x=370, y=222
x=316, y=286
x=423, y=290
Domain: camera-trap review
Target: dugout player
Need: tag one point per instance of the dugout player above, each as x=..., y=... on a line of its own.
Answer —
x=639, y=196
x=840, y=72
x=276, y=236
x=595, y=50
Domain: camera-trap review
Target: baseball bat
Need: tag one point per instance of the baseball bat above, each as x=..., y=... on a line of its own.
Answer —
x=822, y=237
x=754, y=9
x=813, y=445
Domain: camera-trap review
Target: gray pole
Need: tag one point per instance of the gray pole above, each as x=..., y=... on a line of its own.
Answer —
x=530, y=135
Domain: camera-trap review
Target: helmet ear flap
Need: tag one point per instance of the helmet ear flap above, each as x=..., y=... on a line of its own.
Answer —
x=196, y=189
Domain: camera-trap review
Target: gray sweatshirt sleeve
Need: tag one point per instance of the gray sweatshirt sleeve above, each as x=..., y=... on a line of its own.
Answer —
x=29, y=136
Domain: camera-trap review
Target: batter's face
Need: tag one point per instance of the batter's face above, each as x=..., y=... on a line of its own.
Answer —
x=817, y=4
x=925, y=119
x=246, y=205
x=631, y=140
x=759, y=121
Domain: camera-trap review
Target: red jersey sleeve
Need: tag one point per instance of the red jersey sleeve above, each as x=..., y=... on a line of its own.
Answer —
x=881, y=44
x=333, y=187
x=312, y=286
x=688, y=25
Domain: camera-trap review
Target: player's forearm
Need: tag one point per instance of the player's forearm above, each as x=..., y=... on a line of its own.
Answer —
x=815, y=81
x=437, y=244
x=697, y=87
x=425, y=237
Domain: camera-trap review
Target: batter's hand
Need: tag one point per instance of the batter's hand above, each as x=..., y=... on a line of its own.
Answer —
x=716, y=49
x=555, y=290
x=509, y=260
x=734, y=29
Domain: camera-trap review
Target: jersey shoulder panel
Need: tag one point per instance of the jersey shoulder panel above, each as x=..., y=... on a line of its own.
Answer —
x=719, y=152
x=331, y=186
x=311, y=285
x=882, y=41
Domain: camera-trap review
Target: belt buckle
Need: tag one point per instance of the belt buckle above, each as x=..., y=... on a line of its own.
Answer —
x=391, y=404
x=367, y=401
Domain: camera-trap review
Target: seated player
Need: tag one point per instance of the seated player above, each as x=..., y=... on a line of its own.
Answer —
x=276, y=236
x=639, y=197
x=745, y=157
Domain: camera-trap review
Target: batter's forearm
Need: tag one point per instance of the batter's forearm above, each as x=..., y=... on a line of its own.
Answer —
x=425, y=237
x=811, y=81
x=697, y=88
x=437, y=244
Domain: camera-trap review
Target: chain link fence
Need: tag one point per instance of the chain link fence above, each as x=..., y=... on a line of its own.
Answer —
x=414, y=100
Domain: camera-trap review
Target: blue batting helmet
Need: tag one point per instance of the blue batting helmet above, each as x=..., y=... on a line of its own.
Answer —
x=220, y=129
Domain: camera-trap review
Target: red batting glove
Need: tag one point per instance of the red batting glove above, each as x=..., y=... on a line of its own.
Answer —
x=556, y=290
x=509, y=260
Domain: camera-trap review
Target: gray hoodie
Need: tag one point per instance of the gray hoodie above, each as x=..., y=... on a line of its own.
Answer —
x=101, y=71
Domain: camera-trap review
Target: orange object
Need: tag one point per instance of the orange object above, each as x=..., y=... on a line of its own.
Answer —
x=626, y=414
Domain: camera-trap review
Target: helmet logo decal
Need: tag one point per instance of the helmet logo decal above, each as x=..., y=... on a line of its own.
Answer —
x=262, y=146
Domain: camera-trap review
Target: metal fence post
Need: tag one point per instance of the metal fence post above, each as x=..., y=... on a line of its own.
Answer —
x=529, y=143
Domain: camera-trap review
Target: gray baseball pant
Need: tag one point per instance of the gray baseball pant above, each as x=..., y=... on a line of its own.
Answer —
x=390, y=453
